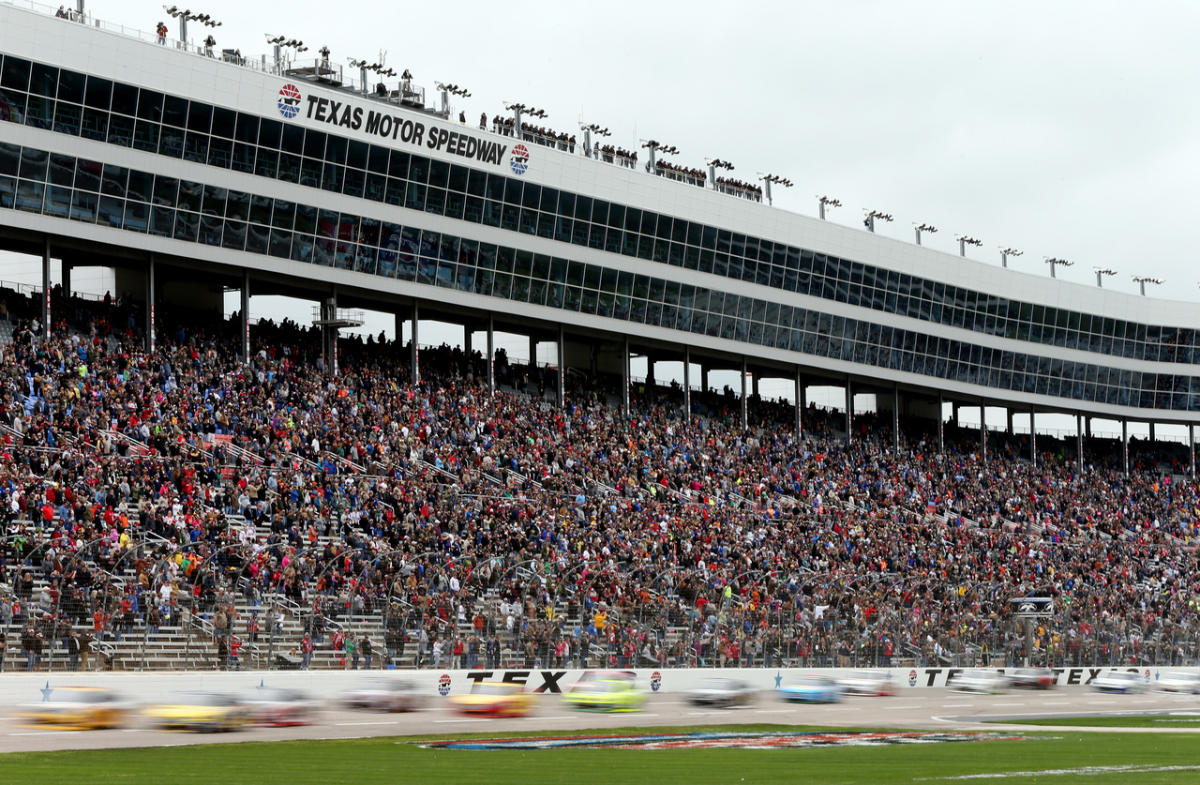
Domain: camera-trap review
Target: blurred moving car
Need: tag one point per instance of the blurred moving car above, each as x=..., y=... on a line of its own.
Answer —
x=867, y=683
x=385, y=695
x=495, y=698
x=723, y=692
x=200, y=711
x=812, y=689
x=1123, y=682
x=984, y=682
x=78, y=708
x=1179, y=681
x=605, y=691
x=1032, y=678
x=279, y=706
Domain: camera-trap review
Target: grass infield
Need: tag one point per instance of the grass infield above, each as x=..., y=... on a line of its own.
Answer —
x=1177, y=720
x=1143, y=759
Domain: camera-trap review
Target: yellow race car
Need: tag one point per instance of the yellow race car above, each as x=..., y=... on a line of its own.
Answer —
x=605, y=691
x=78, y=708
x=200, y=711
x=495, y=699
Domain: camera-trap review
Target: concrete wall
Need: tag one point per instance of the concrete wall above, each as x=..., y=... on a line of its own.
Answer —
x=18, y=688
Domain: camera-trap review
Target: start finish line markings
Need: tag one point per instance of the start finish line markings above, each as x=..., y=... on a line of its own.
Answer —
x=710, y=740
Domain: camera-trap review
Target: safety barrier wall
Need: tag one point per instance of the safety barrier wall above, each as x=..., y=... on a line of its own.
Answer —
x=18, y=688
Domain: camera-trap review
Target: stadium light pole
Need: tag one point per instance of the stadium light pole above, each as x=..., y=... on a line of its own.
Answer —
x=281, y=42
x=872, y=215
x=1142, y=280
x=653, y=146
x=1007, y=252
x=713, y=165
x=519, y=110
x=964, y=241
x=448, y=90
x=588, y=130
x=1055, y=263
x=923, y=227
x=826, y=201
x=185, y=15
x=1100, y=273
x=769, y=179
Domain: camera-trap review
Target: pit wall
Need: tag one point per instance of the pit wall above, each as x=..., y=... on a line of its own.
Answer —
x=153, y=686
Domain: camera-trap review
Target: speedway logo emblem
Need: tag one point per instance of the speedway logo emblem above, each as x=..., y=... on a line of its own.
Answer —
x=444, y=685
x=751, y=741
x=289, y=101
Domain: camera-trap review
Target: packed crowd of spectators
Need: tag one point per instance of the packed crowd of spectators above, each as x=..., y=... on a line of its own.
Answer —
x=739, y=188
x=691, y=176
x=618, y=155
x=140, y=491
x=532, y=133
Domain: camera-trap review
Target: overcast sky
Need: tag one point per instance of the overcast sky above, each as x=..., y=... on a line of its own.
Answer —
x=1065, y=129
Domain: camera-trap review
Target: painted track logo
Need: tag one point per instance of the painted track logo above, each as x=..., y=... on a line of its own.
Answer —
x=520, y=159
x=751, y=741
x=444, y=684
x=289, y=101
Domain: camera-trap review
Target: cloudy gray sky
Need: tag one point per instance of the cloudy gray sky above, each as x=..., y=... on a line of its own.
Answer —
x=1064, y=129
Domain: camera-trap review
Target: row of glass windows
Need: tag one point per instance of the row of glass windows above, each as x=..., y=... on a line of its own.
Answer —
x=96, y=108
x=61, y=186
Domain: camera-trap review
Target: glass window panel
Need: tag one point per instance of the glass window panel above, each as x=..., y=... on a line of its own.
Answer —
x=195, y=147
x=43, y=80
x=114, y=180
x=266, y=163
x=162, y=219
x=112, y=211
x=246, y=129
x=166, y=190
x=220, y=152
x=40, y=112
x=270, y=134
x=199, y=117
x=29, y=196
x=145, y=136
x=70, y=86
x=15, y=74
x=10, y=158
x=95, y=125
x=120, y=130
x=34, y=163
x=83, y=206
x=67, y=118
x=223, y=122
x=58, y=202
x=306, y=219
x=98, y=93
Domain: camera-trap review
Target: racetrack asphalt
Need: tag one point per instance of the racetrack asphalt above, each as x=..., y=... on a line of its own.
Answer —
x=936, y=709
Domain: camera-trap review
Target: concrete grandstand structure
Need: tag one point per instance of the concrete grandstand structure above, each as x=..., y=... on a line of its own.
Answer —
x=190, y=174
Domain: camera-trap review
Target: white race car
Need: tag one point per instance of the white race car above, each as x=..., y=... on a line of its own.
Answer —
x=1119, y=681
x=867, y=683
x=1179, y=681
x=981, y=681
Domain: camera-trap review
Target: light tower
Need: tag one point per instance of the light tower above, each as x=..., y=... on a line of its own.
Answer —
x=826, y=201
x=1007, y=252
x=926, y=228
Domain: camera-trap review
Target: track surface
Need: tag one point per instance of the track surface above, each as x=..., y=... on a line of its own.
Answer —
x=925, y=708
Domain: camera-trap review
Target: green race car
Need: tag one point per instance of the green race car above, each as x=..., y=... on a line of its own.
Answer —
x=605, y=692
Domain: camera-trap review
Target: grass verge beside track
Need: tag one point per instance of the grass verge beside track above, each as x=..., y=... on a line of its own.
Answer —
x=1049, y=757
x=1159, y=721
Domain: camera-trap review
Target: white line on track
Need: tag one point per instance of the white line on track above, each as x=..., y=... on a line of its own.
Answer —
x=956, y=705
x=1018, y=703
x=900, y=708
x=444, y=722
x=378, y=722
x=773, y=711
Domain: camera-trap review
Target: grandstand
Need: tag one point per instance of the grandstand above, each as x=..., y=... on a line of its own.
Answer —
x=176, y=486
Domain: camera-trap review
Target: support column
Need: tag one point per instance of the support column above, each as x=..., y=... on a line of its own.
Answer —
x=703, y=378
x=754, y=385
x=46, y=287
x=329, y=331
x=1087, y=427
x=491, y=355
x=66, y=278
x=896, y=417
x=151, y=344
x=1032, y=438
x=849, y=408
x=246, y=317
x=799, y=405
x=687, y=384
x=562, y=366
x=1151, y=433
x=414, y=349
x=954, y=414
x=625, y=374
x=941, y=424
x=1079, y=440
x=745, y=400
x=1125, y=445
x=1192, y=449
x=467, y=341
x=533, y=342
x=1008, y=413
x=983, y=430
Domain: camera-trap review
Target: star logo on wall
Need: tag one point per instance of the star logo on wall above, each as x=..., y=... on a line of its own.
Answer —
x=778, y=679
x=46, y=692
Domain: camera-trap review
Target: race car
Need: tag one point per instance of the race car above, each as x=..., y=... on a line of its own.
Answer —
x=722, y=692
x=609, y=692
x=494, y=698
x=200, y=711
x=1032, y=678
x=1179, y=681
x=867, y=683
x=279, y=707
x=811, y=689
x=78, y=708
x=1124, y=682
x=984, y=682
x=385, y=695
